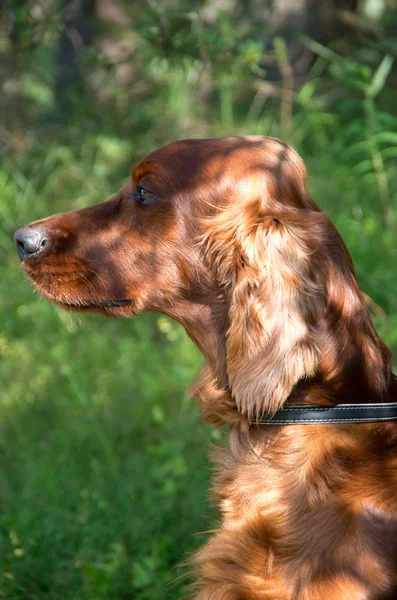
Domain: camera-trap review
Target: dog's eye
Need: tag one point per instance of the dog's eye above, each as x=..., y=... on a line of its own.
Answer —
x=142, y=195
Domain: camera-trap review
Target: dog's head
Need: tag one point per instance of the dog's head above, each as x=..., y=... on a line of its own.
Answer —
x=221, y=235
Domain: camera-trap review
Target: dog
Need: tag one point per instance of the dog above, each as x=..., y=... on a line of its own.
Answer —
x=222, y=236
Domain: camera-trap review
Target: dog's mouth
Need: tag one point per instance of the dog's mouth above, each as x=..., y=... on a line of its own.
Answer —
x=117, y=307
x=94, y=305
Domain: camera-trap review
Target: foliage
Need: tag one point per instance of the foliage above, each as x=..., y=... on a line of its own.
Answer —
x=103, y=465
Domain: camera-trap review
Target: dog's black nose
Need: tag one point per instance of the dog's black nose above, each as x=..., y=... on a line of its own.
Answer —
x=30, y=241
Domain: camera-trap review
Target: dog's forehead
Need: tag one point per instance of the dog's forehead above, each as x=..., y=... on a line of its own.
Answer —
x=198, y=159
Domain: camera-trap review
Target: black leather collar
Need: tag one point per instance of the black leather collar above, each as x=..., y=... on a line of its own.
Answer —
x=343, y=413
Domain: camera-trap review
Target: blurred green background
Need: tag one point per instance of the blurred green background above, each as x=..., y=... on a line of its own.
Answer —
x=104, y=473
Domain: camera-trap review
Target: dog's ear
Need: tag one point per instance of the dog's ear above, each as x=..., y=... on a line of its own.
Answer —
x=262, y=253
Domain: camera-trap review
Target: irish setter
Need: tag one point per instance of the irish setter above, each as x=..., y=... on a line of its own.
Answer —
x=221, y=235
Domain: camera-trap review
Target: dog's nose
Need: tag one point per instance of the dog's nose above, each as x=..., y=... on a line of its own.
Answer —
x=30, y=241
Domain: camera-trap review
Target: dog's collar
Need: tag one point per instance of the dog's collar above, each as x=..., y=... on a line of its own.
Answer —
x=343, y=413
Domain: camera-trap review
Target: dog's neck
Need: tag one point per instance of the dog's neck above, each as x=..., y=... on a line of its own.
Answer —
x=206, y=325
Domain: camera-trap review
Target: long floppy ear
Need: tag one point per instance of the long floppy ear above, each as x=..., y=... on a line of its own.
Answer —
x=263, y=253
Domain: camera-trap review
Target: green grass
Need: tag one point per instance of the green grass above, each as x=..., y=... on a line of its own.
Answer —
x=103, y=467
x=102, y=464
